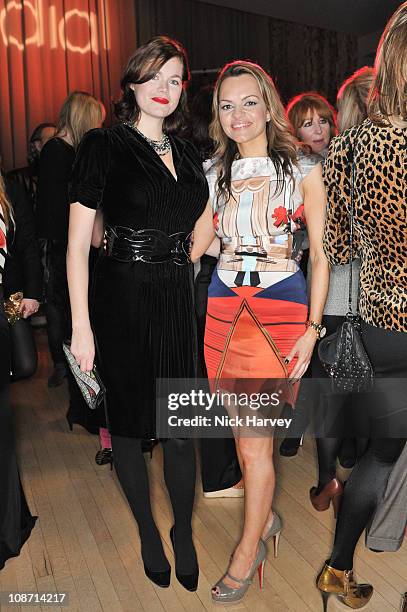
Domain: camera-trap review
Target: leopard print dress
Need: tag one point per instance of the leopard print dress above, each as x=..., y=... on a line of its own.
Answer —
x=380, y=219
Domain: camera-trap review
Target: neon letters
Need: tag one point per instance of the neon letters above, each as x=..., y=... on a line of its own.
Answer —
x=60, y=30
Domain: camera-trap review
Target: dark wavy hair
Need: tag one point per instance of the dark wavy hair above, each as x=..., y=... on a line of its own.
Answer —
x=33, y=154
x=142, y=66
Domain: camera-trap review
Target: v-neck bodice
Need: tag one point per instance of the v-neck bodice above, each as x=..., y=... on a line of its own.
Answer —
x=143, y=141
x=118, y=171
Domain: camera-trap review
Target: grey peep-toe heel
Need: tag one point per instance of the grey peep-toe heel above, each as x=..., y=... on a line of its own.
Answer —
x=222, y=593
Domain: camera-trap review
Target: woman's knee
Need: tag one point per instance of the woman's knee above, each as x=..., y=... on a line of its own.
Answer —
x=255, y=450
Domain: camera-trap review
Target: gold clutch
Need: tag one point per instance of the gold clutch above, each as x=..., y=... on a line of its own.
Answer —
x=11, y=307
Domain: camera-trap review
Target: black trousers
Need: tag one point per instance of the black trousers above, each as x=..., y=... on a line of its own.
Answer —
x=219, y=462
x=384, y=417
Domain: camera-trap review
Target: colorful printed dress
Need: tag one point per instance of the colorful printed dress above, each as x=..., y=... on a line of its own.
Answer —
x=257, y=299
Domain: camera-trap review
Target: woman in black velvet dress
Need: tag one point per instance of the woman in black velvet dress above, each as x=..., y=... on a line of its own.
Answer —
x=148, y=184
x=16, y=521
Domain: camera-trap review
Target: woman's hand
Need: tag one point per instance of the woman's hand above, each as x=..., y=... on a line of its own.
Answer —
x=83, y=348
x=28, y=307
x=303, y=348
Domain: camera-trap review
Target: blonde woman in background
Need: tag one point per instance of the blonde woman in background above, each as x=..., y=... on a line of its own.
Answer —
x=80, y=113
x=352, y=111
x=352, y=97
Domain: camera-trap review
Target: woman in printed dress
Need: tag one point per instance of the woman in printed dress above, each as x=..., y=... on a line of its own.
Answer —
x=259, y=326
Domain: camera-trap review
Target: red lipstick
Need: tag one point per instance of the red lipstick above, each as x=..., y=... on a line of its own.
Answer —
x=161, y=100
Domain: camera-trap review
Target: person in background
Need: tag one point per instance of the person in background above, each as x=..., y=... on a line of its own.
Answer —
x=351, y=101
x=352, y=111
x=313, y=120
x=16, y=522
x=221, y=475
x=80, y=112
x=22, y=274
x=377, y=151
x=28, y=175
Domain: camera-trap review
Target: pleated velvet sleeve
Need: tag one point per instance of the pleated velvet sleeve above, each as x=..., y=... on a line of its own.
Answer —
x=90, y=169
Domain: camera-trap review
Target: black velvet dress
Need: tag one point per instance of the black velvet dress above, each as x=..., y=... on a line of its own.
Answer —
x=142, y=314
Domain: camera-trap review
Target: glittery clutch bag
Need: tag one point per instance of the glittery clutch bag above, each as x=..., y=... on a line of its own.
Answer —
x=89, y=383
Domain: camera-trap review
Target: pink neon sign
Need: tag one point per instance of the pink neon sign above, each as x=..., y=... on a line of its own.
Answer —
x=42, y=22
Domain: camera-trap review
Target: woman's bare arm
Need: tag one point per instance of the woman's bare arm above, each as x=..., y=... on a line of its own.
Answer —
x=315, y=211
x=81, y=223
x=314, y=195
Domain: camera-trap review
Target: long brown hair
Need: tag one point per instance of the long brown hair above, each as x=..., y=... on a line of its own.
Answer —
x=80, y=113
x=281, y=145
x=142, y=66
x=5, y=204
x=388, y=96
x=299, y=106
x=352, y=98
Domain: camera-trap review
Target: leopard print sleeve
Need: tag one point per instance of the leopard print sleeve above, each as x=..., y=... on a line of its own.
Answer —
x=337, y=179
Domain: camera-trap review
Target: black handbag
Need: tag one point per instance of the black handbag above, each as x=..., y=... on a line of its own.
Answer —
x=343, y=354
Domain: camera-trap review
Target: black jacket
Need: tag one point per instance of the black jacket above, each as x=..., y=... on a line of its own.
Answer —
x=23, y=267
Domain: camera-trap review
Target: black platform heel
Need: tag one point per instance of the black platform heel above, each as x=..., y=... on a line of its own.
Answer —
x=104, y=456
x=188, y=581
x=147, y=446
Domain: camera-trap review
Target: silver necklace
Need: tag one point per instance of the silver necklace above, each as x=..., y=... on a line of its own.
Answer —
x=161, y=147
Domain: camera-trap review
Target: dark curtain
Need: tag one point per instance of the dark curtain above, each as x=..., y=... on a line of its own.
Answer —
x=298, y=57
x=49, y=48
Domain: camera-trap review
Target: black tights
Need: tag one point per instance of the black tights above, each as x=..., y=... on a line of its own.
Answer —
x=363, y=490
x=347, y=449
x=383, y=414
x=179, y=474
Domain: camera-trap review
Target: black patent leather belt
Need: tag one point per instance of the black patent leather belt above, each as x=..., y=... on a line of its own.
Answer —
x=147, y=245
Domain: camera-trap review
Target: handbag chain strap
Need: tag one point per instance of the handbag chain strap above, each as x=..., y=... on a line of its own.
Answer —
x=351, y=215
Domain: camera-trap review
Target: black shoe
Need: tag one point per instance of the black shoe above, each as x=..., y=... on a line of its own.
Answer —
x=57, y=377
x=188, y=581
x=289, y=447
x=147, y=446
x=104, y=456
x=161, y=579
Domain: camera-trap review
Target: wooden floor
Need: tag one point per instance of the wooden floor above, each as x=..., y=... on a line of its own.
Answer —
x=85, y=542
